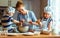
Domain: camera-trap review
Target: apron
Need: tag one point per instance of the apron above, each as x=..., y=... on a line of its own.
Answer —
x=28, y=18
x=45, y=24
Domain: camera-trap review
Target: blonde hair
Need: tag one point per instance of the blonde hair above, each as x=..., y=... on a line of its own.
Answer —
x=9, y=10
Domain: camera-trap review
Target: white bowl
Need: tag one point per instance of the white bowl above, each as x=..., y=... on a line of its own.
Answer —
x=23, y=28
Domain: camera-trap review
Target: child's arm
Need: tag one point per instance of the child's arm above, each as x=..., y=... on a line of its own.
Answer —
x=39, y=22
x=15, y=21
x=49, y=26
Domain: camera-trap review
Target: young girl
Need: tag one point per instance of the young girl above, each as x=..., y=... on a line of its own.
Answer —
x=46, y=22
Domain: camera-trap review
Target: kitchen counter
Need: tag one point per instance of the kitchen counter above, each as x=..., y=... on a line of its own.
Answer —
x=33, y=36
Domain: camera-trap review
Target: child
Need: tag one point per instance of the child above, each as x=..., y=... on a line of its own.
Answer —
x=46, y=23
x=7, y=20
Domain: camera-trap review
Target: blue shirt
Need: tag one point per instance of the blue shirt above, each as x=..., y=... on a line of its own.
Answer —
x=30, y=16
x=6, y=20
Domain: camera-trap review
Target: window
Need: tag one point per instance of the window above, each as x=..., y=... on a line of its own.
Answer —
x=54, y=7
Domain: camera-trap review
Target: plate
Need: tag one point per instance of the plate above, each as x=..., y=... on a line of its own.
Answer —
x=12, y=34
x=28, y=33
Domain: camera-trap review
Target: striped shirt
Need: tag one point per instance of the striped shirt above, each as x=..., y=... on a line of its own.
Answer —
x=6, y=22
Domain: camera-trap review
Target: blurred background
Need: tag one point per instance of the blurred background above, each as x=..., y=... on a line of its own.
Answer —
x=35, y=5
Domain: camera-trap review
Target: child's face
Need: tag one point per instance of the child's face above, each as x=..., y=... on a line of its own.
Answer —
x=46, y=15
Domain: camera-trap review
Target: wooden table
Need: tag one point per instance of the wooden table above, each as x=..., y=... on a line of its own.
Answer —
x=34, y=36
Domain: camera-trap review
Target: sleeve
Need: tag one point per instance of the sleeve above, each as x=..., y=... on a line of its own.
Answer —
x=50, y=19
x=33, y=17
x=11, y=18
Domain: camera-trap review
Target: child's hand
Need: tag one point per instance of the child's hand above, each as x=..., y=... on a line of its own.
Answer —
x=38, y=21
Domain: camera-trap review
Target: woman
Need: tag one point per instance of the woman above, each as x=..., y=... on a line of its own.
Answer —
x=26, y=16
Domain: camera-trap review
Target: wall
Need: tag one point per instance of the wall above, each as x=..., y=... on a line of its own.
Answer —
x=36, y=7
x=5, y=2
x=43, y=4
x=33, y=5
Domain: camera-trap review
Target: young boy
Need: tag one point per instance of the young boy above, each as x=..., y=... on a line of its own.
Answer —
x=7, y=19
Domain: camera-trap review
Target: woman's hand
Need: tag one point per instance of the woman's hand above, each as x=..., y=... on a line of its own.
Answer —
x=34, y=23
x=18, y=24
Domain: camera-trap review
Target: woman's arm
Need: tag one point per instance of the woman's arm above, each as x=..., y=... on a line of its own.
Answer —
x=34, y=23
x=33, y=17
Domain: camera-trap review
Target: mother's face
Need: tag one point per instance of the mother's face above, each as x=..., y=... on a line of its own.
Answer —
x=21, y=9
